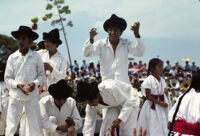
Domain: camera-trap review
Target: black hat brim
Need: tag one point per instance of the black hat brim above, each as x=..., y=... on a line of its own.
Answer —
x=46, y=36
x=32, y=35
x=60, y=90
x=86, y=91
x=120, y=22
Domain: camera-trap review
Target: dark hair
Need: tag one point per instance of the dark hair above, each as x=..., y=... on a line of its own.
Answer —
x=152, y=65
x=195, y=85
x=94, y=93
x=86, y=91
x=91, y=65
x=2, y=71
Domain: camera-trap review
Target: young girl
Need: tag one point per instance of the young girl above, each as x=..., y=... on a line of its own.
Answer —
x=184, y=118
x=153, y=115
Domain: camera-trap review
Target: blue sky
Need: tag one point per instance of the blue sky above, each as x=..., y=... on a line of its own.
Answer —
x=169, y=28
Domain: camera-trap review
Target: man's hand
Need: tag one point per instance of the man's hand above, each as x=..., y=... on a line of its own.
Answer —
x=21, y=87
x=62, y=128
x=115, y=124
x=70, y=121
x=93, y=33
x=140, y=132
x=135, y=28
x=47, y=66
x=30, y=87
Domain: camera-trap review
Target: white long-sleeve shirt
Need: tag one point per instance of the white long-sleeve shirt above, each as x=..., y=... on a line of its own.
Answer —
x=114, y=65
x=68, y=109
x=24, y=70
x=112, y=93
x=189, y=109
x=59, y=64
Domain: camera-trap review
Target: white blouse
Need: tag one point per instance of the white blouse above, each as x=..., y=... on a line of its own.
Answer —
x=189, y=109
x=156, y=87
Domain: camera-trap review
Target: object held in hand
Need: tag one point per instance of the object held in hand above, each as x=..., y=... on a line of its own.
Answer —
x=135, y=25
x=71, y=131
x=70, y=121
x=27, y=89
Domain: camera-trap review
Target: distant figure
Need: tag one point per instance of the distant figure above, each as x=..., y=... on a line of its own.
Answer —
x=84, y=65
x=75, y=66
x=168, y=66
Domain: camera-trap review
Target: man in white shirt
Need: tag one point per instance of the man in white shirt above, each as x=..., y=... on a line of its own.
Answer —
x=24, y=73
x=111, y=94
x=54, y=62
x=59, y=110
x=113, y=51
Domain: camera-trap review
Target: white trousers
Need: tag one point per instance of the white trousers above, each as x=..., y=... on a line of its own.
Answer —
x=4, y=107
x=126, y=128
x=32, y=112
x=23, y=129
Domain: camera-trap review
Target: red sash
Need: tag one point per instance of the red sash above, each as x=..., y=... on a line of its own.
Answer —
x=184, y=127
x=157, y=97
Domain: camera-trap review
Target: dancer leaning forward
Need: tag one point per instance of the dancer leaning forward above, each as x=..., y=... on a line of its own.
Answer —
x=121, y=110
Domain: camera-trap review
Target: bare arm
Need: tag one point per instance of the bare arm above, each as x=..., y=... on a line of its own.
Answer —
x=150, y=98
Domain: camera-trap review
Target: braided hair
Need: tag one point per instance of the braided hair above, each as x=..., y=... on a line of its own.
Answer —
x=195, y=85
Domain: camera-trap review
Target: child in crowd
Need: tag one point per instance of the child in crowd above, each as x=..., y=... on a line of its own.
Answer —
x=153, y=115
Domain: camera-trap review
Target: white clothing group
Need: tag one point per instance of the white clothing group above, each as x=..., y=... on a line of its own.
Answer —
x=121, y=99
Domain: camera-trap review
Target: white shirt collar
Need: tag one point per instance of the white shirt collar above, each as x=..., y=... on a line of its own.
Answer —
x=18, y=54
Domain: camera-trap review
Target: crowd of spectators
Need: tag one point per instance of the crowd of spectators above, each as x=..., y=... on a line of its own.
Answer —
x=176, y=76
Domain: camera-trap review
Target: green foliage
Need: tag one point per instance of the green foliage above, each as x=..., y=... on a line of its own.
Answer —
x=53, y=23
x=62, y=11
x=8, y=45
x=60, y=1
x=65, y=10
x=70, y=24
x=49, y=6
x=49, y=15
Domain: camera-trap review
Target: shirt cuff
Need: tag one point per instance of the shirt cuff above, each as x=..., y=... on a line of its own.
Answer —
x=36, y=82
x=138, y=39
x=122, y=118
x=14, y=84
x=54, y=127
